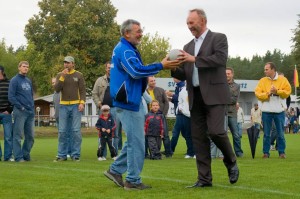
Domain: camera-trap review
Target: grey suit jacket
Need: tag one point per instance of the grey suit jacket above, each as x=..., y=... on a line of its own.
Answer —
x=211, y=62
x=161, y=96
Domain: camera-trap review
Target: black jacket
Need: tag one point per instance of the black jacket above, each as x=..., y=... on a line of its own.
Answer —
x=155, y=124
x=107, y=123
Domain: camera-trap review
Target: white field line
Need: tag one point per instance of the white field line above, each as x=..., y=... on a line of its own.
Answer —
x=251, y=189
x=230, y=187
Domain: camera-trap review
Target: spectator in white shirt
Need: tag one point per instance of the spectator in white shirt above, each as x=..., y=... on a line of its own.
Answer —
x=240, y=119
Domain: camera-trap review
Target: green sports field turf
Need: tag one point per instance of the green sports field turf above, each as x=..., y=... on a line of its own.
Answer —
x=42, y=178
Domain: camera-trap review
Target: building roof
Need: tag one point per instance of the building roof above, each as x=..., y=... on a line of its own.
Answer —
x=47, y=98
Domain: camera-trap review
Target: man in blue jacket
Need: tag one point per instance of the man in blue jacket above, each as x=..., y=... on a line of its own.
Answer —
x=20, y=95
x=128, y=83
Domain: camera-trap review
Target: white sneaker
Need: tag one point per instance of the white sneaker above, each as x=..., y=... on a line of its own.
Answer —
x=114, y=158
x=100, y=159
x=103, y=158
x=194, y=157
x=187, y=156
x=272, y=148
x=68, y=156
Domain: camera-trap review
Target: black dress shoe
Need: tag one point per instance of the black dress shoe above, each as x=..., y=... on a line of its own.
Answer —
x=233, y=174
x=199, y=185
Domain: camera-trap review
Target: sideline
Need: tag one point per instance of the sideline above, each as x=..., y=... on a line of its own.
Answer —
x=267, y=191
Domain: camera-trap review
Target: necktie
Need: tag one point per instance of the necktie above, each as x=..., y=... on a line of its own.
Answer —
x=195, y=77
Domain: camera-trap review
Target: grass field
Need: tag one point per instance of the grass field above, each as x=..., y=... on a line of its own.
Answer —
x=43, y=178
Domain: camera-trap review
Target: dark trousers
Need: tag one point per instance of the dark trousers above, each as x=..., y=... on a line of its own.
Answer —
x=102, y=146
x=154, y=143
x=167, y=145
x=273, y=134
x=183, y=125
x=208, y=121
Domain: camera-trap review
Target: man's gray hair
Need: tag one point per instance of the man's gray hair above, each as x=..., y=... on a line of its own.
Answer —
x=127, y=25
x=200, y=12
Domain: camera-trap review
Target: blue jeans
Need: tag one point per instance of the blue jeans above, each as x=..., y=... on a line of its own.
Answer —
x=215, y=152
x=240, y=129
x=8, y=137
x=257, y=125
x=69, y=134
x=278, y=119
x=232, y=124
x=132, y=155
x=183, y=125
x=23, y=122
x=69, y=131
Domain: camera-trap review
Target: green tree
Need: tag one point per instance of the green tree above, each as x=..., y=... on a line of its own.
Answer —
x=254, y=68
x=8, y=60
x=296, y=41
x=154, y=49
x=84, y=29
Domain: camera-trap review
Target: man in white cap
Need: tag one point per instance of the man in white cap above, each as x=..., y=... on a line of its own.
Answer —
x=70, y=83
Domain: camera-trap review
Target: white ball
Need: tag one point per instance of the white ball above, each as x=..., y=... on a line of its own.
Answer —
x=173, y=54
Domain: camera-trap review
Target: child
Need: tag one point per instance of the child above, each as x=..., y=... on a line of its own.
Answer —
x=295, y=126
x=106, y=126
x=286, y=124
x=294, y=123
x=155, y=126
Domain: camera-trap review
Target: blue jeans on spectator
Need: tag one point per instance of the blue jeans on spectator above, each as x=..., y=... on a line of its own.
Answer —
x=69, y=123
x=267, y=119
x=215, y=152
x=6, y=121
x=183, y=125
x=68, y=133
x=132, y=155
x=240, y=129
x=232, y=124
x=257, y=125
x=23, y=122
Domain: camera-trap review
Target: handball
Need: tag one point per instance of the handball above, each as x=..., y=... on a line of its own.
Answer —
x=173, y=54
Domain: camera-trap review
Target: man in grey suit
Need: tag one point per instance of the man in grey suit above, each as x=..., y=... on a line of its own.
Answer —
x=203, y=69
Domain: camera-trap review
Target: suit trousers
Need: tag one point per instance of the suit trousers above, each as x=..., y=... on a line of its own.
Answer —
x=208, y=121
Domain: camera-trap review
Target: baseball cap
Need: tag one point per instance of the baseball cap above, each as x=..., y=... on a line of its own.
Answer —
x=69, y=59
x=105, y=107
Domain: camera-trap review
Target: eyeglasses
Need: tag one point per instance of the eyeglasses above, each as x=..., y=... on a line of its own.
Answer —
x=139, y=31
